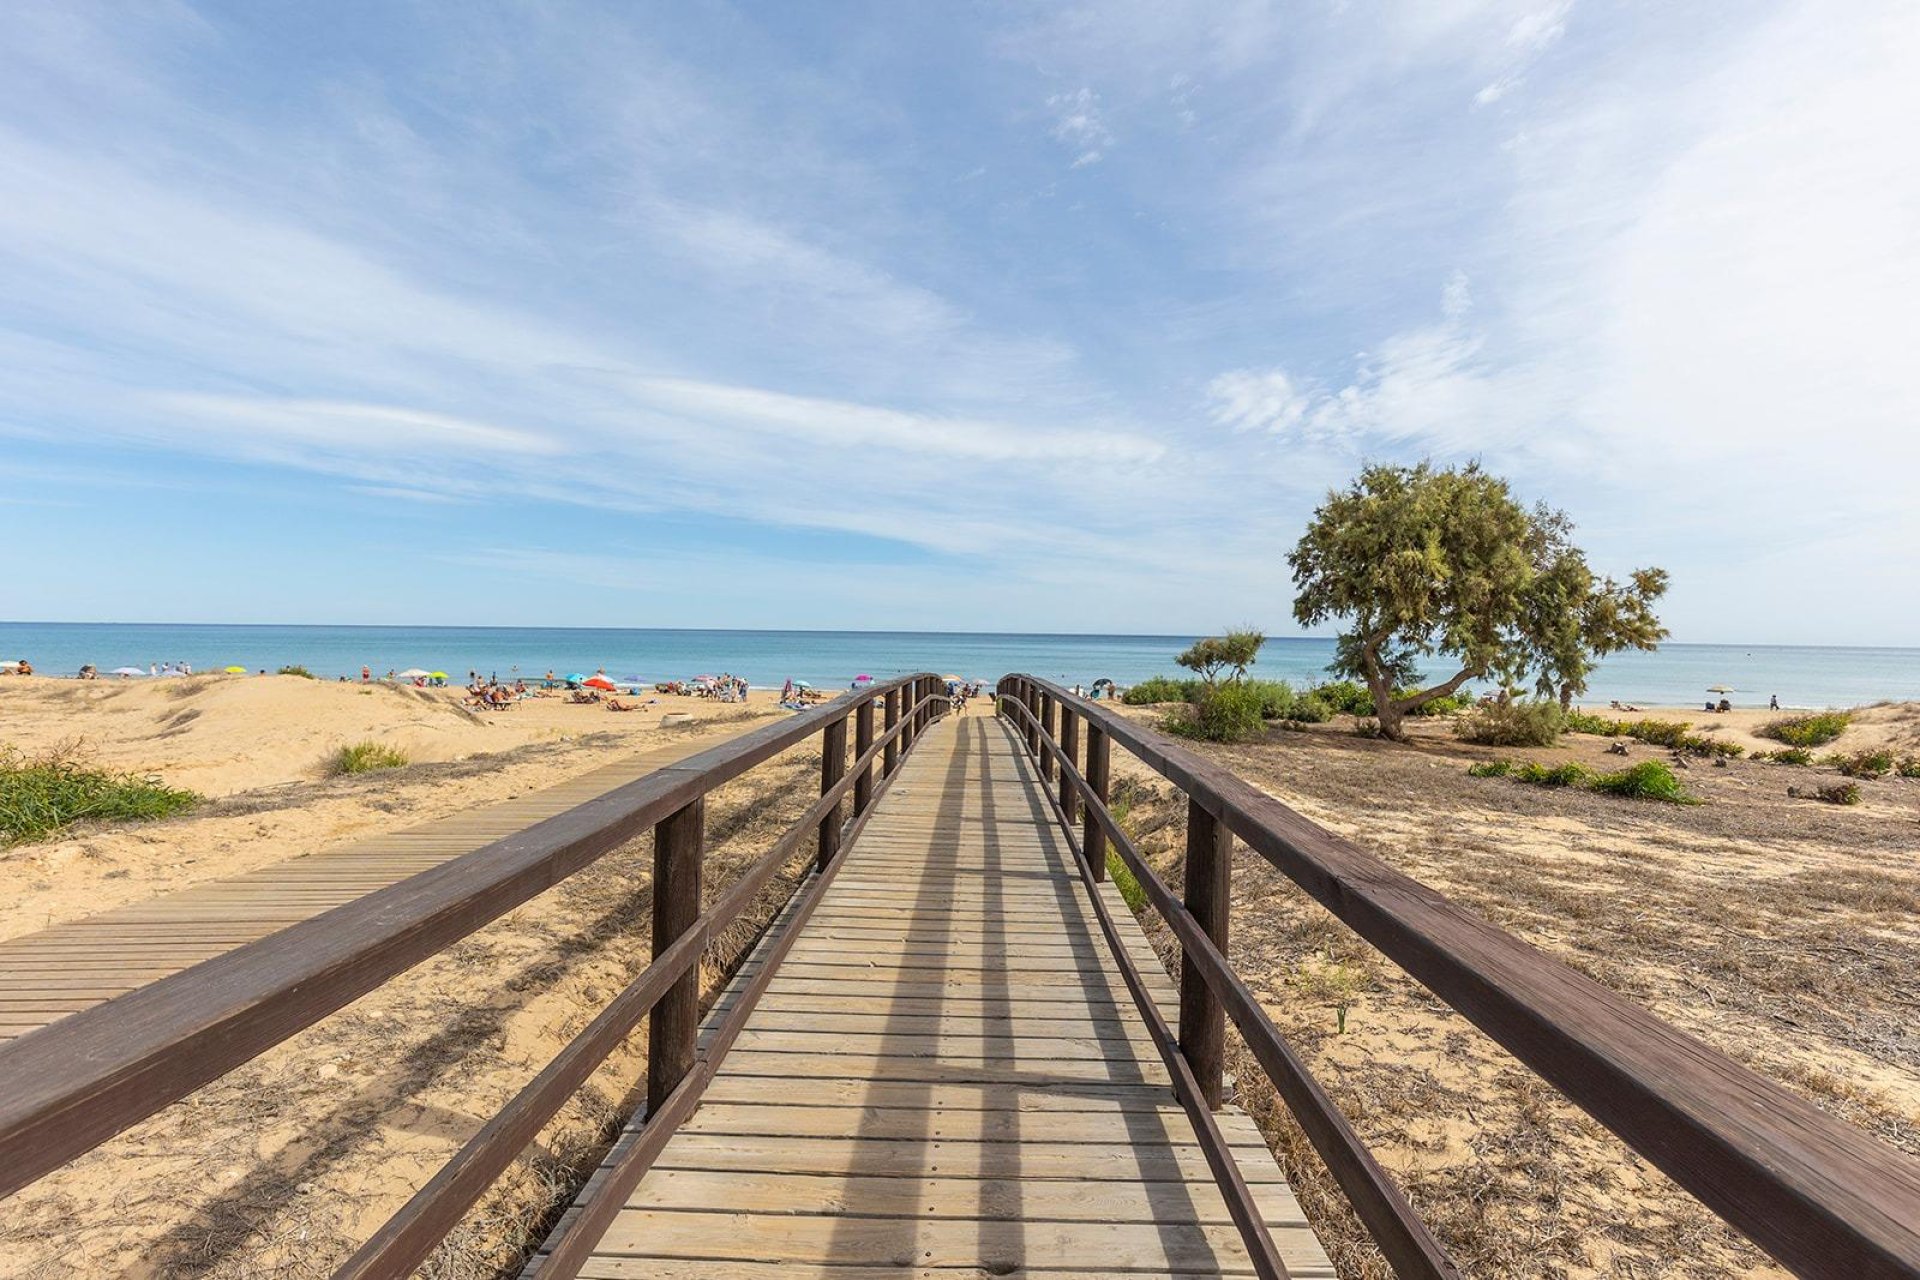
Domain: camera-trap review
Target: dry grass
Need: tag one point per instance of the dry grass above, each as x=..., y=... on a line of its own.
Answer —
x=1783, y=934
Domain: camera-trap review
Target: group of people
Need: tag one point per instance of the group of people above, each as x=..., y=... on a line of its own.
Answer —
x=491, y=695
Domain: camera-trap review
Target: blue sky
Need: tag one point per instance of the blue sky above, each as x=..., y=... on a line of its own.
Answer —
x=983, y=317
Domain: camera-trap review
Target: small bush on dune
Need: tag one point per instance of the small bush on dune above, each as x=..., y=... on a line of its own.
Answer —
x=296, y=669
x=1587, y=722
x=1345, y=697
x=1224, y=713
x=1909, y=767
x=1309, y=709
x=41, y=797
x=1648, y=780
x=1160, y=689
x=1512, y=724
x=1786, y=755
x=1445, y=705
x=1658, y=733
x=365, y=757
x=1838, y=793
x=1814, y=730
x=1864, y=764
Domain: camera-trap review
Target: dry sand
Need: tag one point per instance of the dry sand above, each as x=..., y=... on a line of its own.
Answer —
x=1785, y=932
x=257, y=747
x=283, y=1166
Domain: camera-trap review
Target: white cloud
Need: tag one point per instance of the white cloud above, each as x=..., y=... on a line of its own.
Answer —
x=1078, y=125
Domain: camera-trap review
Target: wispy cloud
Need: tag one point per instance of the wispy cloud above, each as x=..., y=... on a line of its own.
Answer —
x=1079, y=126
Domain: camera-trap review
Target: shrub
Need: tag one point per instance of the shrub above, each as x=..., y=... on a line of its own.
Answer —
x=1310, y=709
x=1838, y=793
x=1345, y=697
x=1658, y=733
x=1865, y=764
x=1648, y=780
x=1587, y=722
x=1702, y=745
x=1512, y=724
x=365, y=757
x=1909, y=767
x=1224, y=713
x=1444, y=705
x=1277, y=698
x=1366, y=728
x=295, y=669
x=1123, y=879
x=1562, y=775
x=1786, y=755
x=1160, y=689
x=41, y=797
x=1814, y=730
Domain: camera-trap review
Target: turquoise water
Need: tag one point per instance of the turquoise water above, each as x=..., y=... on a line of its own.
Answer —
x=1677, y=674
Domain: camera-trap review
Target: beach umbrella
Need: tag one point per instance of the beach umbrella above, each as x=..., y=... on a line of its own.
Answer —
x=575, y=678
x=235, y=671
x=415, y=673
x=1721, y=688
x=127, y=671
x=953, y=679
x=863, y=679
x=801, y=684
x=598, y=682
x=436, y=675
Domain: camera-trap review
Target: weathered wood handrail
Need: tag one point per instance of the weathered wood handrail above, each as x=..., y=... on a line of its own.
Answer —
x=1823, y=1197
x=1815, y=1192
x=70, y=1086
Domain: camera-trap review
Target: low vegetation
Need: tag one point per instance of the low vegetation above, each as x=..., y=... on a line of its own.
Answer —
x=1648, y=780
x=295, y=669
x=1835, y=793
x=1518, y=723
x=1672, y=734
x=365, y=757
x=1863, y=764
x=1229, y=712
x=1814, y=730
x=43, y=796
x=1786, y=755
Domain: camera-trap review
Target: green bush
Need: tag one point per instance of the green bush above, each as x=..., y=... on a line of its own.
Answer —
x=365, y=757
x=1813, y=730
x=1345, y=697
x=1838, y=793
x=41, y=797
x=1702, y=745
x=1277, y=698
x=1786, y=755
x=1909, y=767
x=1648, y=780
x=1160, y=689
x=1865, y=764
x=1227, y=712
x=1310, y=709
x=1561, y=775
x=1444, y=705
x=1512, y=724
x=1123, y=879
x=1587, y=722
x=1658, y=733
x=294, y=669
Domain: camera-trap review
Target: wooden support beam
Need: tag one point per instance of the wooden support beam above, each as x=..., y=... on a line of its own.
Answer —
x=1203, y=1019
x=678, y=844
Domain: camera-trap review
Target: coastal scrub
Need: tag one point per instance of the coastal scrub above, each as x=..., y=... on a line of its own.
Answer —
x=43, y=796
x=365, y=757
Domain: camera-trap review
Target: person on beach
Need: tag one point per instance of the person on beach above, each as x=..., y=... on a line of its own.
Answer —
x=1773, y=703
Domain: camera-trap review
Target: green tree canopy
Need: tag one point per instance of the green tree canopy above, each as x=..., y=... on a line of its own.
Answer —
x=1423, y=562
x=1233, y=652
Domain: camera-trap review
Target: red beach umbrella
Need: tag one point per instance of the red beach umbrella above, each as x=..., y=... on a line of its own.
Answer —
x=599, y=682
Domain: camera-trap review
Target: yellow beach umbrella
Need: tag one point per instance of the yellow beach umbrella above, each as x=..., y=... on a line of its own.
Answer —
x=235, y=671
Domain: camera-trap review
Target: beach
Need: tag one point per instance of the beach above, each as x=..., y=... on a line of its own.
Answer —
x=257, y=748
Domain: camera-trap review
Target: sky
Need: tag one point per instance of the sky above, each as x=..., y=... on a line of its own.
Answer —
x=945, y=316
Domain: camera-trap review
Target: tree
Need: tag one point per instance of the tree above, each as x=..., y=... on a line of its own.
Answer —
x=1424, y=561
x=1235, y=652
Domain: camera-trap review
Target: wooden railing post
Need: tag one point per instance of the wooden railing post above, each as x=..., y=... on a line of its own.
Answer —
x=890, y=755
x=1093, y=836
x=1047, y=735
x=674, y=1025
x=863, y=743
x=1032, y=701
x=908, y=712
x=833, y=767
x=1203, y=1019
x=1070, y=745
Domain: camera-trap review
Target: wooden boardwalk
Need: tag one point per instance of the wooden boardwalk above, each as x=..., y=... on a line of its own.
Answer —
x=47, y=975
x=947, y=1076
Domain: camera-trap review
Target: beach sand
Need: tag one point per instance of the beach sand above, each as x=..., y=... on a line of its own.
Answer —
x=256, y=746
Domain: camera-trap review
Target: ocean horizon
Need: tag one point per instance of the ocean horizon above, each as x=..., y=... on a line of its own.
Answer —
x=1675, y=674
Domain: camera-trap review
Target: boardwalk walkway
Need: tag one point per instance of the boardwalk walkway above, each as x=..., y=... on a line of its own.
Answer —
x=947, y=1076
x=47, y=975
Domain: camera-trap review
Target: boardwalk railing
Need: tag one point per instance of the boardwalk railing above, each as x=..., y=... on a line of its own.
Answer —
x=1819, y=1195
x=70, y=1086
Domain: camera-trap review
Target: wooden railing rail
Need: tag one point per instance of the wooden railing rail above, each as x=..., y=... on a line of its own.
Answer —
x=70, y=1086
x=1822, y=1197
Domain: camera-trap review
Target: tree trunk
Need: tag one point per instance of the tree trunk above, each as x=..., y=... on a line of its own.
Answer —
x=1385, y=710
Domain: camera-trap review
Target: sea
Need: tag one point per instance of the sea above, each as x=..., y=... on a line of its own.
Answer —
x=1674, y=675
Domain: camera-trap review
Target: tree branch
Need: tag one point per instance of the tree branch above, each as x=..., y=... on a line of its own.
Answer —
x=1440, y=690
